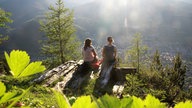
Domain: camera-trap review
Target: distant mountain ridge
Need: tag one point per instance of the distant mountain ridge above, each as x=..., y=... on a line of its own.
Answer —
x=25, y=33
x=160, y=22
x=147, y=17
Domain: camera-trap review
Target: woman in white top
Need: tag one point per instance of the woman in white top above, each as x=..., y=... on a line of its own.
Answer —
x=89, y=55
x=88, y=51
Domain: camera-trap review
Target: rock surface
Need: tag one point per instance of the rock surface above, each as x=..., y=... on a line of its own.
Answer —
x=67, y=78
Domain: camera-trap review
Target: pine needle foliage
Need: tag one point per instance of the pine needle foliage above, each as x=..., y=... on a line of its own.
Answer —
x=60, y=43
x=136, y=55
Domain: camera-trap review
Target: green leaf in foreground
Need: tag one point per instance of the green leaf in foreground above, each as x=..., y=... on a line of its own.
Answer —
x=61, y=100
x=84, y=102
x=137, y=103
x=126, y=102
x=152, y=102
x=7, y=96
x=16, y=99
x=18, y=62
x=187, y=104
x=107, y=101
x=32, y=68
x=2, y=89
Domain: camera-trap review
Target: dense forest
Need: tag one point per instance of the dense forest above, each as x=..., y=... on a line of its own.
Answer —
x=45, y=36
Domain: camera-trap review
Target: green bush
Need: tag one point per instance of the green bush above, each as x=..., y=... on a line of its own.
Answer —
x=37, y=96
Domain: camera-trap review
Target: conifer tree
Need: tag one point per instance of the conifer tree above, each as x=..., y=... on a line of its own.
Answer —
x=173, y=79
x=137, y=52
x=4, y=19
x=61, y=43
x=156, y=63
x=179, y=70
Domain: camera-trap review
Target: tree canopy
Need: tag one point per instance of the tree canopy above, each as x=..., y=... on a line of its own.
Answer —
x=4, y=19
x=61, y=43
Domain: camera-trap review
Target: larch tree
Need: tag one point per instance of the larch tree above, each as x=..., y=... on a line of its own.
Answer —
x=60, y=43
x=137, y=52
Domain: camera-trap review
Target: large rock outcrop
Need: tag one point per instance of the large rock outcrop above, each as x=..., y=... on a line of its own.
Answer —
x=67, y=77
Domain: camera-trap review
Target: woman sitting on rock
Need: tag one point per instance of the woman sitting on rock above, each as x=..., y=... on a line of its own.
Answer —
x=89, y=56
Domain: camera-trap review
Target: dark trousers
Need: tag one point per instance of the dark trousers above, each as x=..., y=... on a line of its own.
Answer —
x=85, y=68
x=105, y=65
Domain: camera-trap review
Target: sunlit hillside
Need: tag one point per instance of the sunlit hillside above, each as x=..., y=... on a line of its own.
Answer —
x=162, y=23
x=96, y=53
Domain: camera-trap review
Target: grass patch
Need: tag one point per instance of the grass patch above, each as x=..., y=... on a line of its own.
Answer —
x=40, y=97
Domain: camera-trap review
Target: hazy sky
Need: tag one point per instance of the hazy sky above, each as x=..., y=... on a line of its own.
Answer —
x=190, y=1
x=84, y=1
x=107, y=3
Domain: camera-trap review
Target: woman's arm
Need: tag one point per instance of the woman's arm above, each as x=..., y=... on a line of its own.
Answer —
x=82, y=52
x=103, y=53
x=115, y=52
x=94, y=53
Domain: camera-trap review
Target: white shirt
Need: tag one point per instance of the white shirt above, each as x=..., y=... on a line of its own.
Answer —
x=88, y=55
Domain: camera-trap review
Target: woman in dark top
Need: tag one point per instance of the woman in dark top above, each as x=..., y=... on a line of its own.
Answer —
x=109, y=54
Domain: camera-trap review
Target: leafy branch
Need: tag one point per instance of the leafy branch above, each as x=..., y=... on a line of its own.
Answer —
x=19, y=63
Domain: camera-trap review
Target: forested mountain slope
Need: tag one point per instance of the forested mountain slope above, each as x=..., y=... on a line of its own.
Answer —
x=165, y=25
